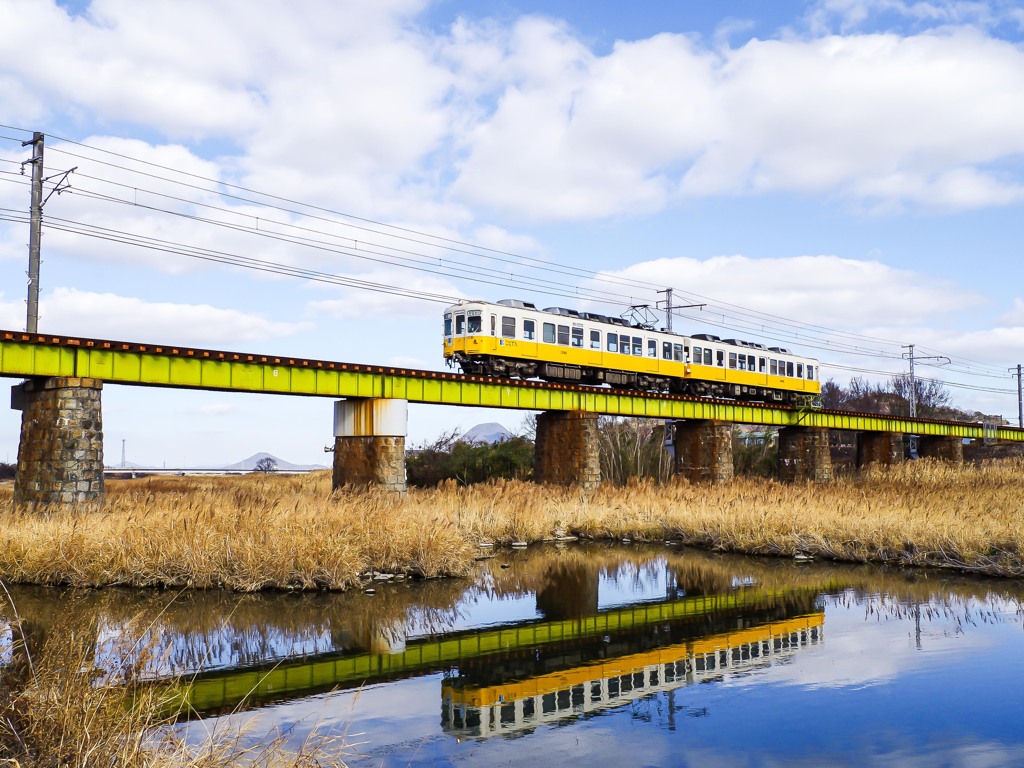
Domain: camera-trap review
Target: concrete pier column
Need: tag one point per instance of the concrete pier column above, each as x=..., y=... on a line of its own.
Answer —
x=883, y=448
x=369, y=443
x=941, y=447
x=703, y=451
x=804, y=454
x=60, y=456
x=566, y=449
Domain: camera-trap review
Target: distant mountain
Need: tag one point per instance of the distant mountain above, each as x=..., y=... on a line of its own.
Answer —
x=491, y=432
x=249, y=464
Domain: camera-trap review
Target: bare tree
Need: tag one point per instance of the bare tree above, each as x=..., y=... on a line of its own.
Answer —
x=266, y=465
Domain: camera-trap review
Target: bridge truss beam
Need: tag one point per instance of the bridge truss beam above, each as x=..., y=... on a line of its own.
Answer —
x=36, y=355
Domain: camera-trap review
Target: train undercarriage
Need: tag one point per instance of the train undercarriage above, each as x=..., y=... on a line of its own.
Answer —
x=625, y=380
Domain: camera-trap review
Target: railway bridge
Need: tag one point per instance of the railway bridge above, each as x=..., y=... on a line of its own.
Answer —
x=60, y=456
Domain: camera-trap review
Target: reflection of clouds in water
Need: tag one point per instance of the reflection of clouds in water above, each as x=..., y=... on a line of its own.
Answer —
x=6, y=643
x=874, y=639
x=867, y=696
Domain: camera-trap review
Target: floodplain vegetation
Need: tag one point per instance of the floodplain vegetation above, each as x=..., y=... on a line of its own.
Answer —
x=268, y=531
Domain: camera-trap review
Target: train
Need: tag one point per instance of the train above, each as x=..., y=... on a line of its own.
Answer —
x=511, y=338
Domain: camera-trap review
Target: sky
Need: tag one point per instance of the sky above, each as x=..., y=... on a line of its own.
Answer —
x=320, y=179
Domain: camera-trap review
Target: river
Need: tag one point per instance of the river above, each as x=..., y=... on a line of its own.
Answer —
x=620, y=655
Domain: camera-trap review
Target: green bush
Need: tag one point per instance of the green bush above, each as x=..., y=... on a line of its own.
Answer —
x=449, y=458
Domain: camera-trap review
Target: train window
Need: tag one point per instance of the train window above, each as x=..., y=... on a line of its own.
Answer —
x=563, y=334
x=677, y=352
x=732, y=359
x=773, y=367
x=696, y=355
x=508, y=327
x=613, y=342
x=742, y=363
x=476, y=324
x=751, y=363
x=529, y=329
x=810, y=371
x=638, y=346
x=652, y=348
x=707, y=357
x=666, y=350
x=460, y=325
x=595, y=339
x=624, y=342
x=789, y=369
x=577, y=337
x=549, y=333
x=494, y=321
x=721, y=358
x=799, y=370
x=761, y=363
x=448, y=324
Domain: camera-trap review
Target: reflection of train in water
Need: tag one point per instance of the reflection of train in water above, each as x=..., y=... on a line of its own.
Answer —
x=514, y=338
x=506, y=709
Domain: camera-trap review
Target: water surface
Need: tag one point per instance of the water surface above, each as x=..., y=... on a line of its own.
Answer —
x=601, y=655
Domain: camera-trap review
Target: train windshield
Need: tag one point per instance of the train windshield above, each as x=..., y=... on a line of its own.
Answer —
x=460, y=325
x=448, y=325
x=475, y=324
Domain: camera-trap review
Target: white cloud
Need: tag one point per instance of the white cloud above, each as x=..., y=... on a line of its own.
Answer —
x=106, y=315
x=873, y=116
x=825, y=290
x=355, y=106
x=853, y=14
x=12, y=313
x=216, y=409
x=381, y=303
x=1016, y=315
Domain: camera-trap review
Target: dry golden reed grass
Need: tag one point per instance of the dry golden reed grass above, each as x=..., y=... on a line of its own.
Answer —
x=291, y=532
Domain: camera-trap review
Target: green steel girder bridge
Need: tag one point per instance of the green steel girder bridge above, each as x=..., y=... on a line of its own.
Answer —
x=225, y=690
x=25, y=355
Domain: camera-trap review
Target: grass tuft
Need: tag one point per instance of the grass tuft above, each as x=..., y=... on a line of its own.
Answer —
x=291, y=532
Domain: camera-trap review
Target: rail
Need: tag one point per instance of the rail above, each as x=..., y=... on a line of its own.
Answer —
x=159, y=365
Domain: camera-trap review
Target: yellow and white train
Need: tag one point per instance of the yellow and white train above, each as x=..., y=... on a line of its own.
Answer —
x=513, y=338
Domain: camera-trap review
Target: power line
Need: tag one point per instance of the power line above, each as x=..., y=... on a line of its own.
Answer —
x=740, y=318
x=536, y=284
x=477, y=249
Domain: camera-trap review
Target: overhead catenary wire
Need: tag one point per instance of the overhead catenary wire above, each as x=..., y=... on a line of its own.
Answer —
x=519, y=281
x=477, y=250
x=734, y=317
x=542, y=286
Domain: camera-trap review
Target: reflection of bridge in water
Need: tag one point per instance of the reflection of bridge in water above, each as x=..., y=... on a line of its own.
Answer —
x=475, y=711
x=506, y=651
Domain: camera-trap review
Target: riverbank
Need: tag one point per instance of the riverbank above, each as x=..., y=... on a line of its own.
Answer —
x=290, y=532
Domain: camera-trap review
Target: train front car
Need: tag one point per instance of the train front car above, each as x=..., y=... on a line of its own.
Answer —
x=514, y=338
x=492, y=339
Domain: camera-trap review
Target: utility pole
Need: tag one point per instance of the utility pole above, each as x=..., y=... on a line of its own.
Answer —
x=913, y=384
x=35, y=230
x=668, y=308
x=1020, y=400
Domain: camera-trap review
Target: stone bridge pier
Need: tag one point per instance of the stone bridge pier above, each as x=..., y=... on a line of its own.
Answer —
x=703, y=451
x=941, y=447
x=881, y=448
x=804, y=455
x=369, y=443
x=60, y=455
x=566, y=449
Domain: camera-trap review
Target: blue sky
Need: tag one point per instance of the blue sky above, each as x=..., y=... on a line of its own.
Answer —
x=844, y=177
